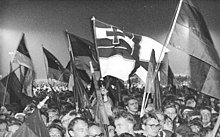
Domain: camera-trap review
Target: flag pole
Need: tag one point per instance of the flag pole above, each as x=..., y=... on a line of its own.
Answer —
x=96, y=47
x=71, y=67
x=168, y=37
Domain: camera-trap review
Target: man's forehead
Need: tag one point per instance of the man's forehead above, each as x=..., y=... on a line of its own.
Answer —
x=152, y=121
x=80, y=123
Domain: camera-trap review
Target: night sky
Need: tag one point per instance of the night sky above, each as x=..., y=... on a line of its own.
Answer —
x=44, y=21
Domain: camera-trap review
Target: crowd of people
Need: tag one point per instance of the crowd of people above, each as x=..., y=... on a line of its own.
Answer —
x=184, y=113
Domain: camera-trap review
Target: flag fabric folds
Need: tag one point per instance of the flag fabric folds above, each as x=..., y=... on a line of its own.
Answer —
x=83, y=52
x=153, y=82
x=32, y=127
x=14, y=87
x=22, y=57
x=55, y=68
x=192, y=36
x=166, y=74
x=79, y=90
x=119, y=50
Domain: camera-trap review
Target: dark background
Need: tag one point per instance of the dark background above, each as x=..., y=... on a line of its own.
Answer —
x=43, y=22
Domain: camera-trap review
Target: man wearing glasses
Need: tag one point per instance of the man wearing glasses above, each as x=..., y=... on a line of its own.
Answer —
x=151, y=125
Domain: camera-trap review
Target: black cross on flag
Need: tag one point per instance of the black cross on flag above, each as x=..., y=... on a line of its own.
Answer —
x=116, y=34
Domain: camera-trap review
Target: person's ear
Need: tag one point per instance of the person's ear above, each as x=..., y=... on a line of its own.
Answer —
x=126, y=107
x=71, y=133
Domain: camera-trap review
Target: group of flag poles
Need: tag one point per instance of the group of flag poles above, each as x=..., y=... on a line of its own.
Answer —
x=150, y=80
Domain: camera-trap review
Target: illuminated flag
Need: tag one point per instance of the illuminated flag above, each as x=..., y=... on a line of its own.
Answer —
x=192, y=36
x=23, y=58
x=119, y=50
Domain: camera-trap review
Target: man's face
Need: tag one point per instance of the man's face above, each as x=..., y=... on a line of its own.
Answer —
x=132, y=105
x=206, y=116
x=122, y=126
x=80, y=129
x=171, y=112
x=54, y=132
x=13, y=128
x=152, y=127
x=95, y=131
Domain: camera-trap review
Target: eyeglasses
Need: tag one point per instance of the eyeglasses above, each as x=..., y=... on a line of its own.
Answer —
x=153, y=125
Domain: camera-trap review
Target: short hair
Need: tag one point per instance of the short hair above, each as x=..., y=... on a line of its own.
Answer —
x=125, y=115
x=151, y=115
x=169, y=104
x=127, y=99
x=74, y=121
x=60, y=128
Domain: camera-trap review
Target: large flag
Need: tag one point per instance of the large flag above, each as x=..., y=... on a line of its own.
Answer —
x=83, y=52
x=12, y=85
x=55, y=68
x=192, y=36
x=22, y=57
x=32, y=127
x=79, y=90
x=118, y=50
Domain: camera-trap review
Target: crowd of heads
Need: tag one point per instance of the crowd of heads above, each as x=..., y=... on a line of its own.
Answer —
x=184, y=113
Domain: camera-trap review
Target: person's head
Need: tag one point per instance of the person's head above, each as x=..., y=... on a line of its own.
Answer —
x=168, y=123
x=183, y=130
x=56, y=130
x=13, y=127
x=131, y=104
x=185, y=112
x=170, y=110
x=124, y=122
x=68, y=117
x=52, y=114
x=195, y=125
x=95, y=131
x=205, y=113
x=151, y=125
x=190, y=101
x=78, y=127
x=3, y=125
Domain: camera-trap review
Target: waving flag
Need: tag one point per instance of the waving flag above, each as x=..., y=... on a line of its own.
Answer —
x=32, y=127
x=118, y=50
x=55, y=68
x=22, y=57
x=192, y=36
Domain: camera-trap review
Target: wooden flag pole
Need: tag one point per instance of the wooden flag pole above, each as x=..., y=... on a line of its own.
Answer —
x=169, y=35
